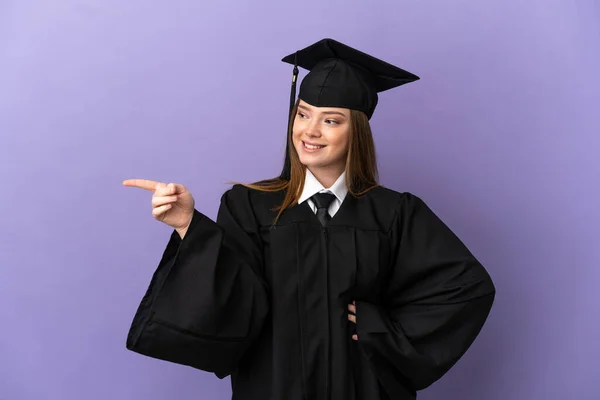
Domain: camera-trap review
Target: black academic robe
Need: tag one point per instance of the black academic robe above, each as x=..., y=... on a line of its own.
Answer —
x=268, y=305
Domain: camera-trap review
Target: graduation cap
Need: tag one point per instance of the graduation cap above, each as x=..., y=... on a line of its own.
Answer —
x=341, y=76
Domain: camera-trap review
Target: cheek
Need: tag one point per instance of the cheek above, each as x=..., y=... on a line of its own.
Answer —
x=296, y=130
x=295, y=139
x=296, y=143
x=341, y=142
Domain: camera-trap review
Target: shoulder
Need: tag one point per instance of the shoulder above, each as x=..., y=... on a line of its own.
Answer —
x=383, y=208
x=383, y=196
x=249, y=200
x=237, y=191
x=402, y=206
x=411, y=210
x=240, y=192
x=245, y=205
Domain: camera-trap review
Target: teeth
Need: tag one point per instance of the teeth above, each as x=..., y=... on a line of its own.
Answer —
x=311, y=147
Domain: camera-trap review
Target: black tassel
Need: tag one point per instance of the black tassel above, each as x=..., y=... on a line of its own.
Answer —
x=286, y=171
x=293, y=93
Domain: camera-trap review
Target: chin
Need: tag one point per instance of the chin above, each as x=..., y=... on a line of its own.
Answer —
x=307, y=163
x=312, y=161
x=315, y=164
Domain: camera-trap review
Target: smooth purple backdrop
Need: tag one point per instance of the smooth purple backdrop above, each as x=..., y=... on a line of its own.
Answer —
x=500, y=137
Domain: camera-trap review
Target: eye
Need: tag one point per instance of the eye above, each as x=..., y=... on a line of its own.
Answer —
x=331, y=122
x=301, y=115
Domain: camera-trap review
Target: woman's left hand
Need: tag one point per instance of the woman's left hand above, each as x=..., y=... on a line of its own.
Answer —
x=352, y=316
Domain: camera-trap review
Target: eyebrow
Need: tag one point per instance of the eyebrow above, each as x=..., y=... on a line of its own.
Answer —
x=324, y=112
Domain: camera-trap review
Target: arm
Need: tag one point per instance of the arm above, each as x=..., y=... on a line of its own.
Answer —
x=437, y=301
x=207, y=301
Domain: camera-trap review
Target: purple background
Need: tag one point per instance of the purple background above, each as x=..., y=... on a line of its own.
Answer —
x=500, y=137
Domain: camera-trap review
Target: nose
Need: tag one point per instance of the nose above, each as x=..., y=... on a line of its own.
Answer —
x=312, y=129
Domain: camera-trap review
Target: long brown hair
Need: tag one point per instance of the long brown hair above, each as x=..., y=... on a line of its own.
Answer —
x=361, y=164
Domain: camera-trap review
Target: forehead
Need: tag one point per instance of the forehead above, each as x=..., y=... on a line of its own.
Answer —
x=305, y=105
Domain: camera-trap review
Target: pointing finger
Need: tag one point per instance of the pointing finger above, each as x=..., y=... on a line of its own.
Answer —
x=141, y=183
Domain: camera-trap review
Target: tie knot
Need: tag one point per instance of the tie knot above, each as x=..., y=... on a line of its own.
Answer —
x=323, y=200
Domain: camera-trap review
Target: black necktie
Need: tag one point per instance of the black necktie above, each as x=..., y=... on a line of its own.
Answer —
x=322, y=201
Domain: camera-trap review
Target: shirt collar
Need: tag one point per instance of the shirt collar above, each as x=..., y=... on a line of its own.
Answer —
x=313, y=186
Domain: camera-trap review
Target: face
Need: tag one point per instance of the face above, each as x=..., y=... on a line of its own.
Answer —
x=321, y=136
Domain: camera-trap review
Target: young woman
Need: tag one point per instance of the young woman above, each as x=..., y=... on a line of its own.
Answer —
x=321, y=283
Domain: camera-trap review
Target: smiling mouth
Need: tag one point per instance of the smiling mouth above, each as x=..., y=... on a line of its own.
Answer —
x=311, y=147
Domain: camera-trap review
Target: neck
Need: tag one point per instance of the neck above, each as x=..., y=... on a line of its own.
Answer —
x=327, y=176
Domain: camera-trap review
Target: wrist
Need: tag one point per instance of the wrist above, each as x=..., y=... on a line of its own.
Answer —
x=183, y=230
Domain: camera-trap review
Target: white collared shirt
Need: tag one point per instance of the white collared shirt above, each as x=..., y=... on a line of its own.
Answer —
x=313, y=186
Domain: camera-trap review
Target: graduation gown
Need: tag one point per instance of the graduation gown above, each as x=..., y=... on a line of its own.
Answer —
x=268, y=304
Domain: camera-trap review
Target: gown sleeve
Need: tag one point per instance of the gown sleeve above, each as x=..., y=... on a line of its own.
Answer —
x=207, y=300
x=437, y=301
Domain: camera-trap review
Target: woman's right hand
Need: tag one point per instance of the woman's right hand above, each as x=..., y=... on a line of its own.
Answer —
x=172, y=203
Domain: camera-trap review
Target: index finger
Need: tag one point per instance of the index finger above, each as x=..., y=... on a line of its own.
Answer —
x=141, y=183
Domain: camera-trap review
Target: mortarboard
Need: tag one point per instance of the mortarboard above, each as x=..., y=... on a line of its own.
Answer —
x=341, y=76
